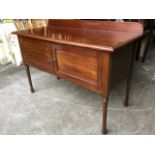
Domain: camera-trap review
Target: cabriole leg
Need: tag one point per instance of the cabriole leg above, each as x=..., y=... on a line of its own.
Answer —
x=29, y=78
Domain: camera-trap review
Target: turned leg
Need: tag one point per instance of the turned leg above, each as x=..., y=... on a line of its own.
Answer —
x=105, y=108
x=29, y=78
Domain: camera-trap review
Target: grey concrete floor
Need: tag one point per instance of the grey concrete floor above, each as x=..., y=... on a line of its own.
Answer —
x=61, y=107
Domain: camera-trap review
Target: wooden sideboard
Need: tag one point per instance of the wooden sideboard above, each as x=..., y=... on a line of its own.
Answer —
x=94, y=54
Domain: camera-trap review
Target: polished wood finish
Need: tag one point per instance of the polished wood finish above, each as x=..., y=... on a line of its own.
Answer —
x=37, y=53
x=120, y=64
x=127, y=27
x=71, y=64
x=107, y=36
x=94, y=54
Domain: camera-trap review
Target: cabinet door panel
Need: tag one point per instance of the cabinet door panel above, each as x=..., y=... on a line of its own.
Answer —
x=80, y=64
x=37, y=53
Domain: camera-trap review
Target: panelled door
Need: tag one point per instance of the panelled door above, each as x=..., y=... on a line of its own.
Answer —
x=37, y=53
x=77, y=64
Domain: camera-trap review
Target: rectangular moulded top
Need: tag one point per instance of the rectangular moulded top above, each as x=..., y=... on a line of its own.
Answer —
x=99, y=35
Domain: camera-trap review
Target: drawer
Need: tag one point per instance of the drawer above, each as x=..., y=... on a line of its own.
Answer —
x=37, y=53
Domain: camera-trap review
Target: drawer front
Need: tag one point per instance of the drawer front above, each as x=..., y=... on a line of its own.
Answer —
x=78, y=64
x=37, y=53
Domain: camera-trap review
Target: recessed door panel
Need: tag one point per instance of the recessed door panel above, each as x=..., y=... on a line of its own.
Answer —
x=37, y=53
x=80, y=64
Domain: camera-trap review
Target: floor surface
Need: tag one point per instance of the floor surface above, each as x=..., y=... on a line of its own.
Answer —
x=61, y=107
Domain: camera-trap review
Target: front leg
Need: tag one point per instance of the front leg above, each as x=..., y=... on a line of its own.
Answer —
x=29, y=78
x=105, y=109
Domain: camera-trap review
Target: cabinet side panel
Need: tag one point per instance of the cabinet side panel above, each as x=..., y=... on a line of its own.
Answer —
x=120, y=64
